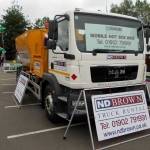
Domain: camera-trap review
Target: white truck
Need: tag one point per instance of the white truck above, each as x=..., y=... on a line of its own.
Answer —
x=91, y=50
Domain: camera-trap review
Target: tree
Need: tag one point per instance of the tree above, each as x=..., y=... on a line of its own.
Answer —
x=140, y=9
x=15, y=24
x=125, y=8
x=143, y=10
x=2, y=29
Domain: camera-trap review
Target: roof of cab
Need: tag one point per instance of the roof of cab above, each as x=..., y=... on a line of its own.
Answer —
x=107, y=14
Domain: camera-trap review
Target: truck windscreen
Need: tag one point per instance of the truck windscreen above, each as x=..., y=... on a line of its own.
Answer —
x=108, y=34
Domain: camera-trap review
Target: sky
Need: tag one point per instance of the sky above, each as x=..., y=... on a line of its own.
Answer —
x=34, y=9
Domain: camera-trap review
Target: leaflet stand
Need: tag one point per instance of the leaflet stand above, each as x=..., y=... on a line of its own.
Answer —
x=20, y=89
x=18, y=105
x=82, y=92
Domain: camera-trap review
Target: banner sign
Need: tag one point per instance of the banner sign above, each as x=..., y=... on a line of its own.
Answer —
x=109, y=37
x=21, y=87
x=120, y=114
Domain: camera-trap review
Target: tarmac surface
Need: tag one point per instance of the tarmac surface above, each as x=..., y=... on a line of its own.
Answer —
x=28, y=128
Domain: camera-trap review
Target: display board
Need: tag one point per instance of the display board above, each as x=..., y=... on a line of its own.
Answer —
x=21, y=87
x=120, y=114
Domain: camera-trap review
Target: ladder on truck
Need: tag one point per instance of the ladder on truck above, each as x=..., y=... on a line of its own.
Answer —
x=34, y=88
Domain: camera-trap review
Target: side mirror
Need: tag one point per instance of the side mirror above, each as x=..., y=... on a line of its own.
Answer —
x=51, y=44
x=53, y=30
x=147, y=35
x=67, y=17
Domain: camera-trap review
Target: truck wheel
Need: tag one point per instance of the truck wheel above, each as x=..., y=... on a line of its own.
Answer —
x=50, y=99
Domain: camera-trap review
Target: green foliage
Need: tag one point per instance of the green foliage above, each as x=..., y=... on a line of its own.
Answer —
x=1, y=43
x=39, y=23
x=15, y=24
x=140, y=9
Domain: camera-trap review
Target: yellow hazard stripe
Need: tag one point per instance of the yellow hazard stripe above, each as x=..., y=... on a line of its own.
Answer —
x=66, y=74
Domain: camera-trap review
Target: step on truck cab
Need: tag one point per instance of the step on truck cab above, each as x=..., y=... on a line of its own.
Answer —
x=90, y=50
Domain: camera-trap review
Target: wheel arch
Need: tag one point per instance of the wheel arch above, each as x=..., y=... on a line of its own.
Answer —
x=50, y=79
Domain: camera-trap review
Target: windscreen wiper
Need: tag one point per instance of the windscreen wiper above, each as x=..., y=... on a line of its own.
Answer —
x=130, y=52
x=95, y=51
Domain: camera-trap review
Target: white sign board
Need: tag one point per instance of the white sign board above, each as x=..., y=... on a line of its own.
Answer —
x=120, y=114
x=110, y=37
x=21, y=87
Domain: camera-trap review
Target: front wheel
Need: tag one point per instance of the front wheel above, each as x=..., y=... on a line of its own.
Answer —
x=50, y=101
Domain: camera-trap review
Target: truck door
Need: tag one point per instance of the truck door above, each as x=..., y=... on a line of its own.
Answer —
x=57, y=63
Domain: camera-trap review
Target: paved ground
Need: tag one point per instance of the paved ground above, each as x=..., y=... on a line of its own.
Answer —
x=28, y=128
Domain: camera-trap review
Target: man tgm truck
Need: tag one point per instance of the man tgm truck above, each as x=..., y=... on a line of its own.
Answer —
x=103, y=53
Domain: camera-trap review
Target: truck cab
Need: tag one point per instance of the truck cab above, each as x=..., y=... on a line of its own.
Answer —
x=92, y=50
x=95, y=50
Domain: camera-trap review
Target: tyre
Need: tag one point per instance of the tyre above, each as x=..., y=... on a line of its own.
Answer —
x=50, y=101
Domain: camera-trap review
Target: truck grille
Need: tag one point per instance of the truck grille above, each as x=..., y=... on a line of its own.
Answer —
x=113, y=73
